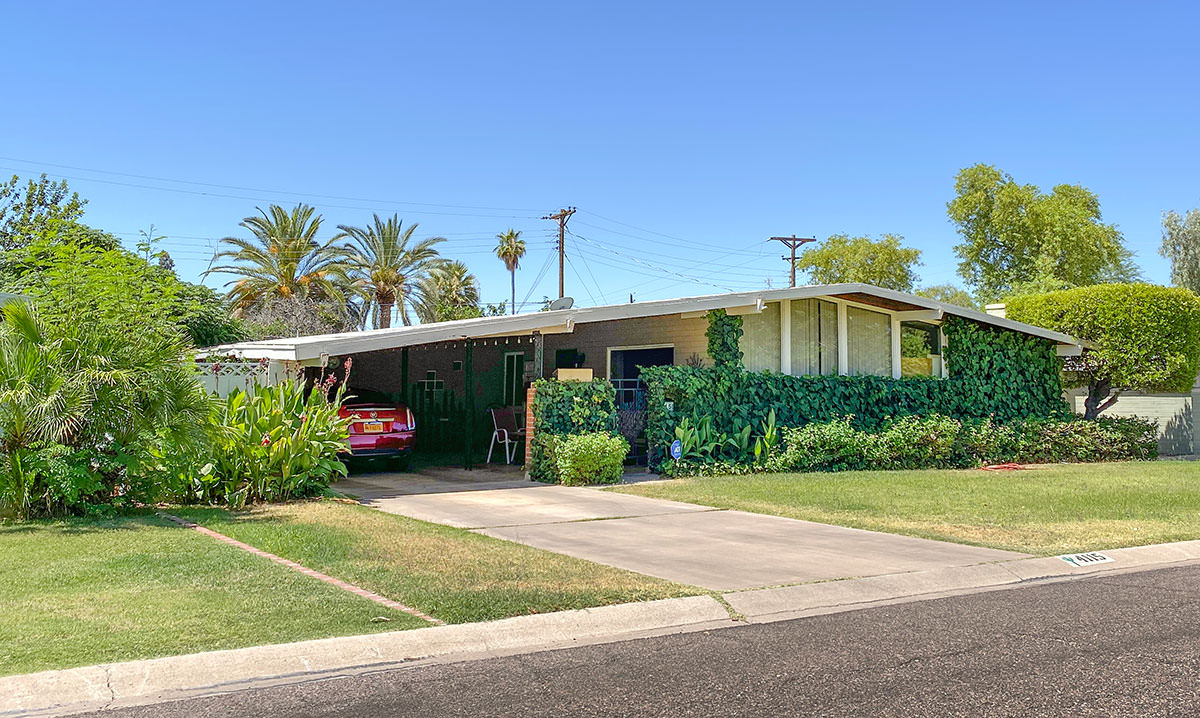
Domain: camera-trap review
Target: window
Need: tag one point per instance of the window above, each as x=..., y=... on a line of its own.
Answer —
x=869, y=342
x=568, y=359
x=814, y=329
x=920, y=349
x=514, y=379
x=760, y=339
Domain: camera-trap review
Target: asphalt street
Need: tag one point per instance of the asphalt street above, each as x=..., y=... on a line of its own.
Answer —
x=1121, y=645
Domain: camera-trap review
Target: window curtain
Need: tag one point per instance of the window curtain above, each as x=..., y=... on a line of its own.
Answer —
x=869, y=342
x=760, y=339
x=814, y=337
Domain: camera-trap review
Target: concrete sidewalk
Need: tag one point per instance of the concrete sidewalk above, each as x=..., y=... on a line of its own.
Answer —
x=139, y=682
x=697, y=545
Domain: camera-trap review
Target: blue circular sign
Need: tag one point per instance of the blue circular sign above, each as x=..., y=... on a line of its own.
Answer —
x=677, y=449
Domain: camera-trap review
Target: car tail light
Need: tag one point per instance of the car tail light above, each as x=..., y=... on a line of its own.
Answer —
x=412, y=420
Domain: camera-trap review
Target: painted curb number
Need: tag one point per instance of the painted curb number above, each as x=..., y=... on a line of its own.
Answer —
x=1085, y=559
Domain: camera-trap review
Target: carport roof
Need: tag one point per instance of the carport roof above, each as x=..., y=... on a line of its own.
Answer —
x=564, y=320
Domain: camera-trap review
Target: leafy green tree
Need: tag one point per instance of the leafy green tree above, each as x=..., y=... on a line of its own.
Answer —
x=842, y=258
x=285, y=259
x=28, y=211
x=449, y=292
x=950, y=294
x=386, y=268
x=1017, y=239
x=118, y=290
x=510, y=249
x=1181, y=245
x=1142, y=337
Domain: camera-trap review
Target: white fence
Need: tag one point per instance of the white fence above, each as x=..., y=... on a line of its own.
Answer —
x=222, y=375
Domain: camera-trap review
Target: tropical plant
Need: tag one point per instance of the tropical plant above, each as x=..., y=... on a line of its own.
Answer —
x=87, y=412
x=448, y=292
x=277, y=443
x=284, y=259
x=386, y=269
x=510, y=250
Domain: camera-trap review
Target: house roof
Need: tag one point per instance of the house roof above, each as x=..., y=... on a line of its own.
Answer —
x=312, y=347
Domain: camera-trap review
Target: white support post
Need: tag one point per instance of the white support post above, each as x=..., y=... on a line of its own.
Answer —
x=843, y=340
x=785, y=336
x=897, y=370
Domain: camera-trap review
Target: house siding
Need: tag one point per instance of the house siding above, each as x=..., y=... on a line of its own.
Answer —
x=688, y=336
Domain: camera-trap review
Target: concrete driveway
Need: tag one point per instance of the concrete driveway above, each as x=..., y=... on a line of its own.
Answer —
x=697, y=545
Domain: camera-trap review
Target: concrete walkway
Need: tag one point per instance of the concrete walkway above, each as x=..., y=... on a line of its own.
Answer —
x=696, y=545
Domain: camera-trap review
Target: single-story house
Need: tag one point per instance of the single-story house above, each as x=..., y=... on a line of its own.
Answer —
x=472, y=364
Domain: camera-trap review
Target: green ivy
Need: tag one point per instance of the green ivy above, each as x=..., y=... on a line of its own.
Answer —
x=993, y=373
x=568, y=407
x=724, y=335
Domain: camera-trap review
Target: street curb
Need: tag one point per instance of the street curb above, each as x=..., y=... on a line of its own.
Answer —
x=90, y=688
x=788, y=602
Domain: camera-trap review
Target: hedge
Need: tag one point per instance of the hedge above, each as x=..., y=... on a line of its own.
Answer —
x=564, y=408
x=941, y=442
x=993, y=373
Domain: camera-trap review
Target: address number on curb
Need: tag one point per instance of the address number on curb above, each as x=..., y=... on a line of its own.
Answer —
x=1085, y=559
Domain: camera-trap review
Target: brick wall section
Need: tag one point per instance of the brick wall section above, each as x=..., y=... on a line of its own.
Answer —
x=529, y=393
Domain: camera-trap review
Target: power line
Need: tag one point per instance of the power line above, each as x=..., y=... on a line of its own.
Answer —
x=791, y=243
x=264, y=199
x=257, y=189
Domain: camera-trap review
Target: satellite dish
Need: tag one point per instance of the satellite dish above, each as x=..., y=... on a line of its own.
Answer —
x=561, y=303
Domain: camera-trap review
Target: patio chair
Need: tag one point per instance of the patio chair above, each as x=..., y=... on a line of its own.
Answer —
x=507, y=432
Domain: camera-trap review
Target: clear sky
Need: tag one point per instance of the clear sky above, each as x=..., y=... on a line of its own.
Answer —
x=686, y=134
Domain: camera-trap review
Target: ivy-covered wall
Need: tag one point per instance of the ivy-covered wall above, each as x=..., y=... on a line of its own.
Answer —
x=568, y=407
x=993, y=372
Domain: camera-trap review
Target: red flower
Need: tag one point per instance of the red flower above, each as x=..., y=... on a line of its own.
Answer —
x=266, y=441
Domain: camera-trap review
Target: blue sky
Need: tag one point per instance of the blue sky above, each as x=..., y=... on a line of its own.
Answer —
x=685, y=134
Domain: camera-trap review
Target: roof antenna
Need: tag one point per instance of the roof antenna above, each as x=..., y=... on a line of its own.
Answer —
x=631, y=297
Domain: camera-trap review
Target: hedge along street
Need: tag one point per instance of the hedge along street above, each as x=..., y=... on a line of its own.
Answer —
x=386, y=602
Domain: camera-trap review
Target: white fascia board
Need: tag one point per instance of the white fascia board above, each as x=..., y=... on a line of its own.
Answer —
x=304, y=348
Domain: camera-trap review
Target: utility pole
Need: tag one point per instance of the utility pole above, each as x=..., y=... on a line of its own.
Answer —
x=561, y=216
x=793, y=242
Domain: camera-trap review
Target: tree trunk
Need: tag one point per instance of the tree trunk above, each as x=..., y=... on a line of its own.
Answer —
x=385, y=315
x=1100, y=396
x=513, y=272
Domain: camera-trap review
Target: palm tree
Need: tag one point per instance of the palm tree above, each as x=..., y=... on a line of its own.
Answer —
x=510, y=250
x=285, y=259
x=450, y=291
x=386, y=269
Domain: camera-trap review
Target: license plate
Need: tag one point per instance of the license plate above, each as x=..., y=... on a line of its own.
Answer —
x=372, y=427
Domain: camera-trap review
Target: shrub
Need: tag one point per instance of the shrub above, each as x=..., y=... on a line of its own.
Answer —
x=1143, y=337
x=278, y=443
x=568, y=407
x=87, y=411
x=942, y=442
x=593, y=458
x=911, y=442
x=832, y=446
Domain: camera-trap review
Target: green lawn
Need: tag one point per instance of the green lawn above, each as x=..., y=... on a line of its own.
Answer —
x=451, y=574
x=1043, y=510
x=80, y=592
x=84, y=591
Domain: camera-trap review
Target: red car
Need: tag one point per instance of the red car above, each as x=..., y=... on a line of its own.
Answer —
x=379, y=428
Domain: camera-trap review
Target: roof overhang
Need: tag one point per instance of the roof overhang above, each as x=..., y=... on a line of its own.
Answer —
x=906, y=306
